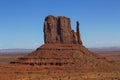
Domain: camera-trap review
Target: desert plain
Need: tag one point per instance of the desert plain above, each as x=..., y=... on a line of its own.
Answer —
x=26, y=72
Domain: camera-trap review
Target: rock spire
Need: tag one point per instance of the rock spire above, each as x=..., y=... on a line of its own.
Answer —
x=57, y=30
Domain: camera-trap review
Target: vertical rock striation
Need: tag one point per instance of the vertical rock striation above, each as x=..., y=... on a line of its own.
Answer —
x=58, y=30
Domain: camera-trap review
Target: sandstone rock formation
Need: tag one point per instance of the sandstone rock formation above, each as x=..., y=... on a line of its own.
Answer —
x=58, y=30
x=63, y=47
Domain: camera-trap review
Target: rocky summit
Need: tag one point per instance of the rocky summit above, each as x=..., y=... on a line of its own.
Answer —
x=58, y=30
x=63, y=47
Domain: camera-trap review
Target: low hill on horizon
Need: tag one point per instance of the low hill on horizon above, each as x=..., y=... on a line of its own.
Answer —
x=104, y=49
x=16, y=50
x=30, y=50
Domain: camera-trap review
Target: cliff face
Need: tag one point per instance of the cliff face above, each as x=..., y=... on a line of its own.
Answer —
x=63, y=47
x=58, y=30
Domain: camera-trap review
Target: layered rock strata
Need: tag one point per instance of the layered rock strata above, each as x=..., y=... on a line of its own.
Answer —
x=63, y=47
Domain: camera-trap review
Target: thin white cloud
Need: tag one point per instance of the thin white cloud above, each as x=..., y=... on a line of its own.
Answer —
x=35, y=44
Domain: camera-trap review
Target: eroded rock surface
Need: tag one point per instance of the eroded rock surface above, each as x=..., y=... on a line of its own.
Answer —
x=63, y=48
x=58, y=30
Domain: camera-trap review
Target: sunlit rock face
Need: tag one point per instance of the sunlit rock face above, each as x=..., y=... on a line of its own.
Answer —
x=58, y=30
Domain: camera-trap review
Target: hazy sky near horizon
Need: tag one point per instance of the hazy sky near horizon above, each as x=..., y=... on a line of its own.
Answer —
x=21, y=21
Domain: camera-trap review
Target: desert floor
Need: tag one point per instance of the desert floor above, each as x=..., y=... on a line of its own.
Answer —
x=26, y=72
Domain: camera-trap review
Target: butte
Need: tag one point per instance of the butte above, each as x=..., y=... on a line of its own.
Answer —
x=63, y=48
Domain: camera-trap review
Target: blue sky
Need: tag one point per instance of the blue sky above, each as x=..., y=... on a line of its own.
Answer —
x=21, y=21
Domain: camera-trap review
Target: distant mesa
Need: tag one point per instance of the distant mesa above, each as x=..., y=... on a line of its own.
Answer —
x=63, y=47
